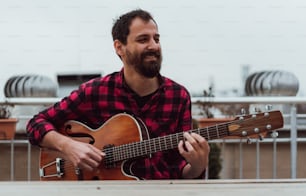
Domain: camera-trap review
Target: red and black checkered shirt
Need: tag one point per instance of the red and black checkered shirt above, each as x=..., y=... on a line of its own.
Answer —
x=167, y=111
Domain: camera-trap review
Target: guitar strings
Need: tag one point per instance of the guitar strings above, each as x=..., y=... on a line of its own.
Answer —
x=145, y=147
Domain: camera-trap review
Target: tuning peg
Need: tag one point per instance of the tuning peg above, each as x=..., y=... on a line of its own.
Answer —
x=243, y=112
x=274, y=134
x=249, y=141
x=256, y=110
x=260, y=137
x=268, y=107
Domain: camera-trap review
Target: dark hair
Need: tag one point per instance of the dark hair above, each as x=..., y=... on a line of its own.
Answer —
x=121, y=27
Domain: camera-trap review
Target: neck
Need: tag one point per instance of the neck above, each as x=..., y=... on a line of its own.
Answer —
x=141, y=85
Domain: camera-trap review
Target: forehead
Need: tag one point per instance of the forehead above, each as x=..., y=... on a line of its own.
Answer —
x=141, y=27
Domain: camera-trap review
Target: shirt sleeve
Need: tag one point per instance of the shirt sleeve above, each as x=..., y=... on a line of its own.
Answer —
x=186, y=125
x=53, y=117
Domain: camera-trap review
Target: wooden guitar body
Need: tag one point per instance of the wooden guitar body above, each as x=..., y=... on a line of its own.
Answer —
x=118, y=130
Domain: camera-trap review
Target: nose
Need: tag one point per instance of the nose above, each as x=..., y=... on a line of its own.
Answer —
x=153, y=45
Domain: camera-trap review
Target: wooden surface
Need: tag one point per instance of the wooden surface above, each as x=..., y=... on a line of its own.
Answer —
x=156, y=188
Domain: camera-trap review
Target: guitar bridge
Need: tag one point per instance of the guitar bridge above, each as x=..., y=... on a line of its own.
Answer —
x=57, y=165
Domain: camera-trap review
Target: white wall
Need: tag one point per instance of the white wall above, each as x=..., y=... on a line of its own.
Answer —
x=202, y=40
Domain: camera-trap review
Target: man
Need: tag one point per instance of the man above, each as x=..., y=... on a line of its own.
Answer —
x=138, y=89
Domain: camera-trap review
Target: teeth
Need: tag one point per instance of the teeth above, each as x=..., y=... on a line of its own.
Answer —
x=151, y=57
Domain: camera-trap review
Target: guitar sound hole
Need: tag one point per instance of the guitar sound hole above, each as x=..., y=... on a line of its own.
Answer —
x=68, y=127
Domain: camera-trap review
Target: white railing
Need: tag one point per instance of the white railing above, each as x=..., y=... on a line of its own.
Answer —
x=292, y=125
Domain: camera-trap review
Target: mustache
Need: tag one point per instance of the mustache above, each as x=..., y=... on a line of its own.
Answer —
x=151, y=53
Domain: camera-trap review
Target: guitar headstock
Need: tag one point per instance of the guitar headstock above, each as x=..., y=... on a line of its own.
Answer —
x=255, y=124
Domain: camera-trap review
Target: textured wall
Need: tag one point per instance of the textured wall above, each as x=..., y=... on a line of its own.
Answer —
x=203, y=41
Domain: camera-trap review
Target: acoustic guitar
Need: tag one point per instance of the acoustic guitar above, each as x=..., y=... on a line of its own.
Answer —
x=124, y=138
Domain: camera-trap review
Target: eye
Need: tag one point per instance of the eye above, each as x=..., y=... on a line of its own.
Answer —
x=156, y=40
x=142, y=40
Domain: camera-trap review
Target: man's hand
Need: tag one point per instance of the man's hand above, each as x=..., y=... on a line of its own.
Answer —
x=195, y=150
x=83, y=155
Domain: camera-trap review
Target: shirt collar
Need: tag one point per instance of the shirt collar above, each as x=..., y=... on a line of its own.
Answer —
x=161, y=81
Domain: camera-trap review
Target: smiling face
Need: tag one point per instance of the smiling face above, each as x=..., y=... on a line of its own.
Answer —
x=142, y=52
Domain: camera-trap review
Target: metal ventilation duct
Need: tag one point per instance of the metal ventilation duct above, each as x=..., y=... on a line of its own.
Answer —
x=271, y=83
x=30, y=86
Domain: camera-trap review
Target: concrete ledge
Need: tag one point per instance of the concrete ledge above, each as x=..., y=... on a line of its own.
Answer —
x=155, y=188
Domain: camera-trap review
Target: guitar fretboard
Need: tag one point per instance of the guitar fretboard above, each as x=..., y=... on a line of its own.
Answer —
x=146, y=147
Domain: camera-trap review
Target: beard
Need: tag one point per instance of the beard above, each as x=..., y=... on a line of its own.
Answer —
x=148, y=69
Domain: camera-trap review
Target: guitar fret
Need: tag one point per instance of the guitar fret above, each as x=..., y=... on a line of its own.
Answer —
x=144, y=148
x=182, y=136
x=133, y=151
x=141, y=149
x=148, y=146
x=218, y=136
x=166, y=143
x=136, y=149
x=115, y=156
x=121, y=155
x=118, y=152
x=128, y=150
x=144, y=144
x=163, y=143
x=114, y=153
x=151, y=145
x=207, y=131
x=162, y=139
x=154, y=146
x=124, y=155
x=199, y=131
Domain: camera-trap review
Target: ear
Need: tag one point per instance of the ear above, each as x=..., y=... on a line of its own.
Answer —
x=118, y=47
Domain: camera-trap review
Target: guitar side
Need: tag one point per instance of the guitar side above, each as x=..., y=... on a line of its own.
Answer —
x=119, y=130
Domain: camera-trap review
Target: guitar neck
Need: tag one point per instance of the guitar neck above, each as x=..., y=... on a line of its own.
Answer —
x=146, y=147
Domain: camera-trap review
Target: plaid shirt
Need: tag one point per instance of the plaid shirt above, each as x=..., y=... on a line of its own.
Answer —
x=166, y=112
